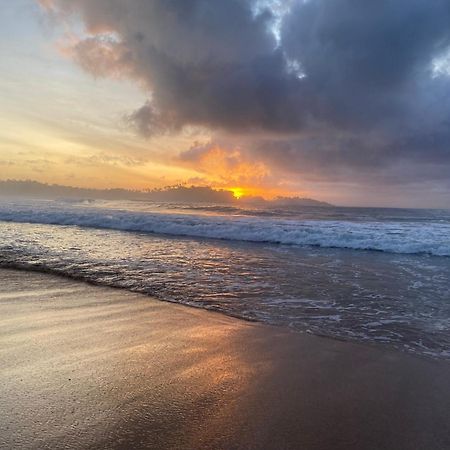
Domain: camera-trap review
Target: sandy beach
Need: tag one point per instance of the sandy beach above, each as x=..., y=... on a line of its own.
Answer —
x=92, y=367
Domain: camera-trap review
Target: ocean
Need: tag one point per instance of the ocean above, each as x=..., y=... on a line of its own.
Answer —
x=374, y=275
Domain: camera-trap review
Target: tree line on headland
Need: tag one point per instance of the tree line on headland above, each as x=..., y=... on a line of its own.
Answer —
x=177, y=193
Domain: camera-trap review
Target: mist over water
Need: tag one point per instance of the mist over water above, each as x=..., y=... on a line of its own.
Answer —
x=373, y=275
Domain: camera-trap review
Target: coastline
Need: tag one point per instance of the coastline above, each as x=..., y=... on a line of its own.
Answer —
x=86, y=366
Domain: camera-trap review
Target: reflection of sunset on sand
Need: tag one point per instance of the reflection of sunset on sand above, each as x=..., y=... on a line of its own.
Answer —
x=85, y=366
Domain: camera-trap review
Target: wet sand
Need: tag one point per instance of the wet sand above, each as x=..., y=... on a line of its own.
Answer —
x=90, y=367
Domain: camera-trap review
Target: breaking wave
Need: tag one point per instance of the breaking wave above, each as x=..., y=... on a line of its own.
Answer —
x=394, y=237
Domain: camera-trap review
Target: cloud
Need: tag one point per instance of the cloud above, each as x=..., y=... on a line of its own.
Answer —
x=147, y=121
x=102, y=56
x=336, y=89
x=104, y=159
x=364, y=59
x=228, y=167
x=206, y=62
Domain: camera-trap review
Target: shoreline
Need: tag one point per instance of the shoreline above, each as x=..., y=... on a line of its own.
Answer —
x=91, y=366
x=284, y=328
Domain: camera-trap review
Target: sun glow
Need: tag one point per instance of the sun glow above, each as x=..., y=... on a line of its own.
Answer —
x=232, y=170
x=259, y=192
x=237, y=192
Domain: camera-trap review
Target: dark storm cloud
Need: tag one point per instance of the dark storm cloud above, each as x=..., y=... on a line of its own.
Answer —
x=207, y=62
x=363, y=57
x=344, y=88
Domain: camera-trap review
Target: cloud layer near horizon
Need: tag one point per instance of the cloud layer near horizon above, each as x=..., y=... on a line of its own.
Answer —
x=321, y=89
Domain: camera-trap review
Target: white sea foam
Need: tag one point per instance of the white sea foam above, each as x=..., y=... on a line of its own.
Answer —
x=397, y=299
x=411, y=237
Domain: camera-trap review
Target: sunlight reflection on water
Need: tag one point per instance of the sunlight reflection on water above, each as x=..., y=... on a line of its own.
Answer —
x=401, y=300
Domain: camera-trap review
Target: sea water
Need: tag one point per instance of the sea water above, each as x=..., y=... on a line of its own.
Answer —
x=365, y=274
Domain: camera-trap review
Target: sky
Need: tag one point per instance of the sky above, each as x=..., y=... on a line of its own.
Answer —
x=345, y=101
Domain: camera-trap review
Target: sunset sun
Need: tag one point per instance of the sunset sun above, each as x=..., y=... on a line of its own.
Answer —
x=237, y=192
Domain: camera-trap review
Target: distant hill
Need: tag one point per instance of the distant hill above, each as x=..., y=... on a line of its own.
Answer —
x=283, y=202
x=178, y=193
x=34, y=189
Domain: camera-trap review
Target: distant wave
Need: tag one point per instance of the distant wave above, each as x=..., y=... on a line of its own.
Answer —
x=394, y=237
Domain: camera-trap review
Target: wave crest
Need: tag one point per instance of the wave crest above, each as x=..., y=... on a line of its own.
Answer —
x=394, y=237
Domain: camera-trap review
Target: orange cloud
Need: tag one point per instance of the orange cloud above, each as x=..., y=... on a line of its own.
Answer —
x=231, y=169
x=101, y=56
x=47, y=4
x=225, y=165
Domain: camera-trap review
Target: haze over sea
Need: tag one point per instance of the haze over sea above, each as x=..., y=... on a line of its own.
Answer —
x=365, y=274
